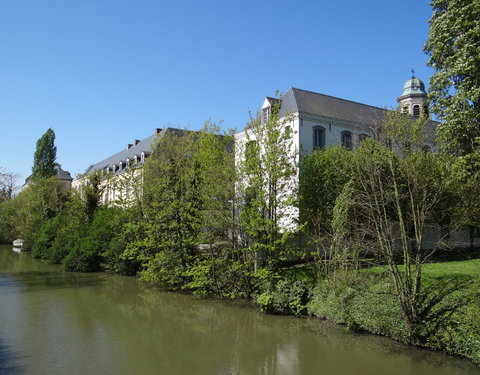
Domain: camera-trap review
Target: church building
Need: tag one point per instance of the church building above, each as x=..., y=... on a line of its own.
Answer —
x=319, y=120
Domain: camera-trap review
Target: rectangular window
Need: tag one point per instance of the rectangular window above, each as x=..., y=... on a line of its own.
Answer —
x=265, y=115
x=318, y=137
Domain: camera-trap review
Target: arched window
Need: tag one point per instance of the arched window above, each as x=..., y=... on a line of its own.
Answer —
x=120, y=166
x=318, y=137
x=405, y=110
x=347, y=140
x=416, y=110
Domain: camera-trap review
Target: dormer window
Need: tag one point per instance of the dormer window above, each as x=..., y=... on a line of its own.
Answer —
x=347, y=140
x=120, y=166
x=128, y=163
x=142, y=157
x=318, y=137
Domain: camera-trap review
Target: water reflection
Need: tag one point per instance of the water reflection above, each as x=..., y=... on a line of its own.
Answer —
x=8, y=359
x=97, y=323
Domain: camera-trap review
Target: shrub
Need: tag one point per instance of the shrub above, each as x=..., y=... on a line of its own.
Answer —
x=283, y=293
x=88, y=255
x=219, y=277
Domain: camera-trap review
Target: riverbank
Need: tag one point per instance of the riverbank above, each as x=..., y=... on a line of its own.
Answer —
x=362, y=302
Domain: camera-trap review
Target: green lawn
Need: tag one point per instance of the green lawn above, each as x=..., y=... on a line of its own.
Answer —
x=470, y=268
x=463, y=268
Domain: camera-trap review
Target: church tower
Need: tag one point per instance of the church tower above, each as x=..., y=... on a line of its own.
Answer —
x=413, y=100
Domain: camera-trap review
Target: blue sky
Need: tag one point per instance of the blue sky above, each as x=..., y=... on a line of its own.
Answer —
x=102, y=73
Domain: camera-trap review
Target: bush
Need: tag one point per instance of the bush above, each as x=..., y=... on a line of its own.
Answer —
x=87, y=256
x=44, y=239
x=368, y=303
x=284, y=293
x=219, y=277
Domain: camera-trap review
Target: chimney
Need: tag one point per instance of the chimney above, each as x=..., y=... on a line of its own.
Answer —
x=157, y=131
x=136, y=142
x=129, y=146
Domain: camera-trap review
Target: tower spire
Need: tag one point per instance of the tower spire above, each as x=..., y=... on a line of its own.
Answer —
x=413, y=72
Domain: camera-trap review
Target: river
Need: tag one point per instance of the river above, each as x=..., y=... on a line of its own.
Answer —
x=55, y=322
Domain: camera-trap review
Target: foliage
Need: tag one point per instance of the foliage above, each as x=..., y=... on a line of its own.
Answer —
x=216, y=170
x=267, y=185
x=7, y=184
x=323, y=176
x=367, y=302
x=453, y=47
x=92, y=192
x=287, y=292
x=8, y=227
x=466, y=172
x=62, y=233
x=89, y=254
x=119, y=257
x=39, y=201
x=188, y=193
x=219, y=277
x=390, y=203
x=45, y=155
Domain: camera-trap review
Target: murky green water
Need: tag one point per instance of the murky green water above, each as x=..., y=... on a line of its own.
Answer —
x=52, y=322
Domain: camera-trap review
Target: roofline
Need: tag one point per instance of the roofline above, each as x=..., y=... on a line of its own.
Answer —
x=336, y=97
x=346, y=100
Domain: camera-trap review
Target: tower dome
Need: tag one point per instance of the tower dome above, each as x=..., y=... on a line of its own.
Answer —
x=413, y=100
x=414, y=86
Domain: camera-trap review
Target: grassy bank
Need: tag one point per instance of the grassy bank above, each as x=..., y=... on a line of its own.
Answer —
x=449, y=314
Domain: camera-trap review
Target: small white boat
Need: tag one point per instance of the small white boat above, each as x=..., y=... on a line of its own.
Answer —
x=18, y=243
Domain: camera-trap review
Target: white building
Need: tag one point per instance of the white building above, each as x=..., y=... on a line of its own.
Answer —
x=123, y=168
x=319, y=120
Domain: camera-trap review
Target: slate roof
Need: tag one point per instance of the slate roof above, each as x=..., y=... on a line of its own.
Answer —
x=313, y=103
x=145, y=145
x=61, y=174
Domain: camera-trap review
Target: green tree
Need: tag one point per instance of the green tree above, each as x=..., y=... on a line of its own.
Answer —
x=268, y=184
x=92, y=194
x=7, y=184
x=453, y=47
x=40, y=201
x=172, y=206
x=388, y=207
x=323, y=176
x=216, y=163
x=45, y=155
